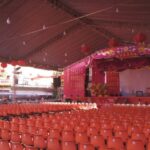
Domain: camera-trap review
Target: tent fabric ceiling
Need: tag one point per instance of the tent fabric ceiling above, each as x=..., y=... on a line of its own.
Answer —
x=47, y=32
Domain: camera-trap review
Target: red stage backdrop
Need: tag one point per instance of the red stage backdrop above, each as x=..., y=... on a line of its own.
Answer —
x=119, y=60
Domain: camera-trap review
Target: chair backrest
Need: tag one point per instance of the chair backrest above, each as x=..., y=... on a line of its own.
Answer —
x=5, y=145
x=15, y=137
x=135, y=145
x=5, y=134
x=86, y=147
x=69, y=145
x=115, y=142
x=16, y=146
x=53, y=144
x=97, y=141
x=27, y=139
x=39, y=141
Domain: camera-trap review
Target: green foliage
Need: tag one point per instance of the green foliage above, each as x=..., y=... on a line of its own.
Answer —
x=99, y=89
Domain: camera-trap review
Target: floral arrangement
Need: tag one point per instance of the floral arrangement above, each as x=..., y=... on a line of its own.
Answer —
x=99, y=89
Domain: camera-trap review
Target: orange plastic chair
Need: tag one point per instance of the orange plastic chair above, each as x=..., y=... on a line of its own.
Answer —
x=32, y=130
x=81, y=138
x=106, y=149
x=79, y=129
x=148, y=146
x=14, y=127
x=146, y=131
x=106, y=126
x=5, y=135
x=68, y=136
x=116, y=143
x=97, y=141
x=15, y=137
x=39, y=141
x=86, y=147
x=27, y=139
x=135, y=145
x=16, y=146
x=139, y=136
x=54, y=134
x=22, y=121
x=68, y=145
x=30, y=148
x=106, y=133
x=123, y=135
x=132, y=129
x=92, y=131
x=68, y=128
x=53, y=144
x=1, y=124
x=23, y=128
x=15, y=120
x=43, y=132
x=6, y=125
x=119, y=127
x=31, y=122
x=4, y=145
x=39, y=124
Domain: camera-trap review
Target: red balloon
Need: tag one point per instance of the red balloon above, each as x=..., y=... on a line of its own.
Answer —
x=85, y=49
x=113, y=42
x=139, y=38
x=3, y=65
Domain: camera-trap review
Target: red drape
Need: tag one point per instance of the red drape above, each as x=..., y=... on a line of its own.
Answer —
x=74, y=80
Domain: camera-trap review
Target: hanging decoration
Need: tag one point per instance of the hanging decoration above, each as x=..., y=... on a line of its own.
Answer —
x=123, y=52
x=85, y=49
x=113, y=43
x=21, y=62
x=3, y=65
x=14, y=63
x=18, y=62
x=139, y=38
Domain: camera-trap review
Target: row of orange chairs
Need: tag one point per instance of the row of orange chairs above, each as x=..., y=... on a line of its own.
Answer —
x=28, y=108
x=111, y=127
x=107, y=128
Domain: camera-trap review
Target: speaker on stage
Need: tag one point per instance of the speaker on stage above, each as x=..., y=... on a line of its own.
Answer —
x=57, y=82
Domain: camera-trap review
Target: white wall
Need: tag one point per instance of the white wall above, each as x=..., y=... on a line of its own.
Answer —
x=134, y=80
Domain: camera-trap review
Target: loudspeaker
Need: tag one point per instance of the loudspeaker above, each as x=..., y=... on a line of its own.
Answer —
x=57, y=82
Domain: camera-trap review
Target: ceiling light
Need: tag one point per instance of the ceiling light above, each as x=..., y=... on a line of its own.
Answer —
x=66, y=54
x=44, y=27
x=64, y=33
x=23, y=43
x=132, y=30
x=30, y=61
x=117, y=10
x=44, y=59
x=45, y=53
x=8, y=21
